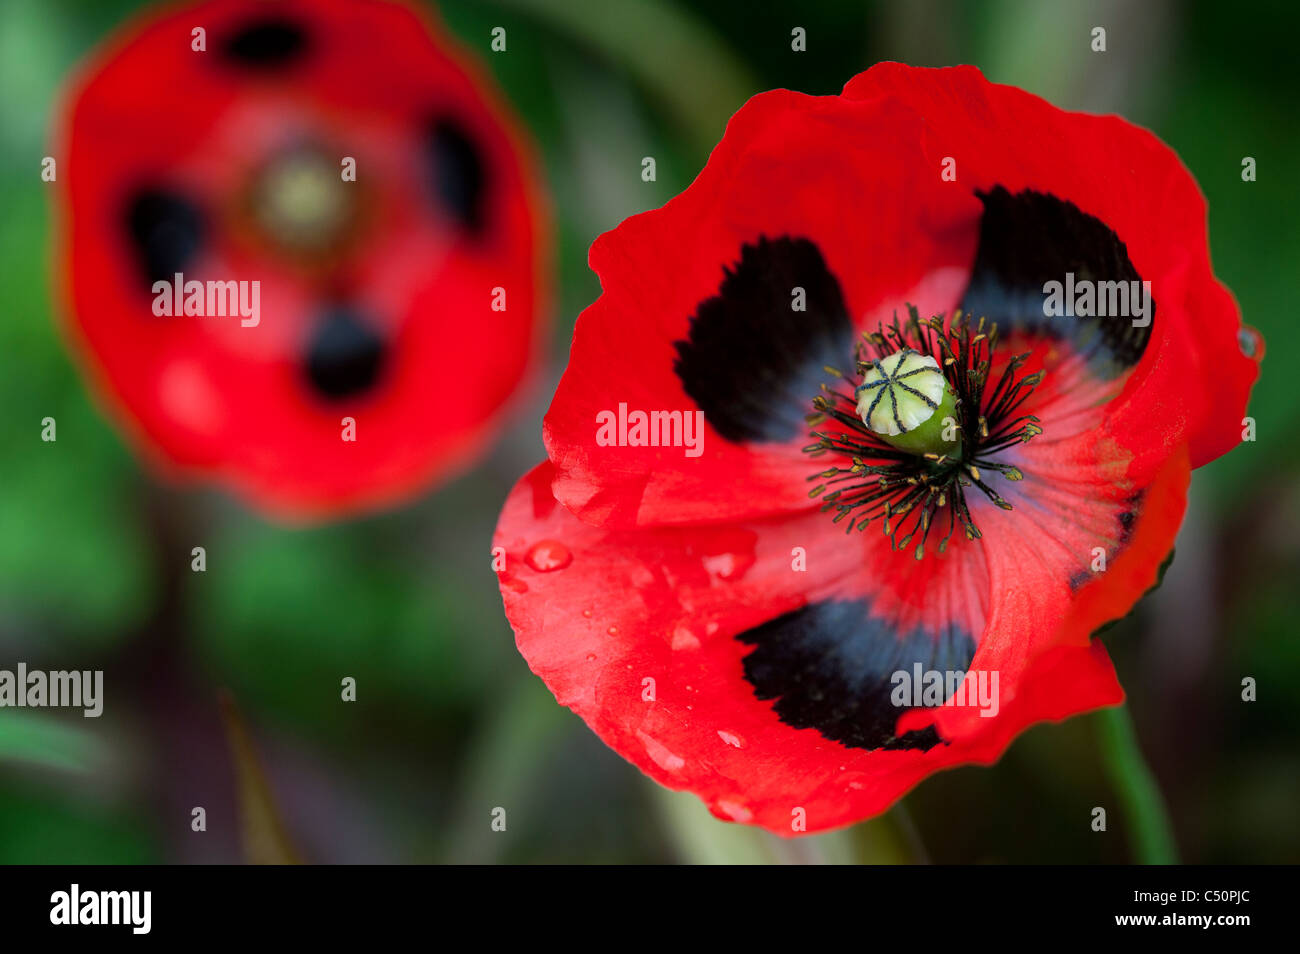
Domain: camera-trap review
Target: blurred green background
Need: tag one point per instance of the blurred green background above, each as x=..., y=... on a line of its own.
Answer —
x=94, y=555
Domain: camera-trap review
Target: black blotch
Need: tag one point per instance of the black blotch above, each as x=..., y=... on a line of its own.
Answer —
x=829, y=667
x=270, y=43
x=457, y=173
x=344, y=356
x=1031, y=238
x=166, y=230
x=1127, y=520
x=751, y=362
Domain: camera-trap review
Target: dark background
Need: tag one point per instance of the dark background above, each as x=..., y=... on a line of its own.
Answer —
x=94, y=555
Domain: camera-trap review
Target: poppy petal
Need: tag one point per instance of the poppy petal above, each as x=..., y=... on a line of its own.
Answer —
x=728, y=303
x=1123, y=176
x=705, y=657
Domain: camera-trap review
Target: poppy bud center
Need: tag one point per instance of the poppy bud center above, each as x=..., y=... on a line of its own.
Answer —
x=925, y=425
x=905, y=399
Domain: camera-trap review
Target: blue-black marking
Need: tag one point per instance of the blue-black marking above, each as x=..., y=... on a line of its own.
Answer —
x=829, y=666
x=750, y=361
x=1030, y=238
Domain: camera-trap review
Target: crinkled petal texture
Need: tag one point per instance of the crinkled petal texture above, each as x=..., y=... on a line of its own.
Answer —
x=668, y=575
x=671, y=644
x=344, y=158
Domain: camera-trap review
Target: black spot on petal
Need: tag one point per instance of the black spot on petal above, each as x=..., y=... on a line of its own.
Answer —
x=344, y=355
x=1031, y=238
x=1125, y=523
x=751, y=362
x=457, y=173
x=830, y=667
x=265, y=44
x=1128, y=517
x=165, y=230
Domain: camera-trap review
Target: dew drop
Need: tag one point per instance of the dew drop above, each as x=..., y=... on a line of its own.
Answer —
x=729, y=553
x=683, y=638
x=728, y=566
x=548, y=555
x=734, y=739
x=591, y=657
x=1248, y=340
x=613, y=631
x=731, y=810
x=662, y=756
x=586, y=614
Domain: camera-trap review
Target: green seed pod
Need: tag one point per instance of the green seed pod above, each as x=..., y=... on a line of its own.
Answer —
x=905, y=399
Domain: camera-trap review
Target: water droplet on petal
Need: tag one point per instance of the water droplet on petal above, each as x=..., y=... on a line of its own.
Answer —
x=728, y=553
x=613, y=631
x=731, y=810
x=660, y=753
x=591, y=657
x=734, y=739
x=586, y=614
x=641, y=577
x=548, y=555
x=683, y=638
x=1249, y=340
x=729, y=566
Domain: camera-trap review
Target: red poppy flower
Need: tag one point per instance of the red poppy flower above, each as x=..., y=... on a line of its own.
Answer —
x=362, y=187
x=760, y=616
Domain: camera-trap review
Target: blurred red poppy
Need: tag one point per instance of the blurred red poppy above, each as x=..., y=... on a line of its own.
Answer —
x=799, y=629
x=302, y=248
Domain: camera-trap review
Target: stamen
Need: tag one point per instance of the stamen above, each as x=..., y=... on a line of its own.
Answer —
x=908, y=484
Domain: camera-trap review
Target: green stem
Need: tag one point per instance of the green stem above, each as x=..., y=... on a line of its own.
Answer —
x=1136, y=786
x=910, y=834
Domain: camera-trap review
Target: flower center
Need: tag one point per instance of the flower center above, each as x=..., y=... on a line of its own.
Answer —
x=905, y=399
x=920, y=428
x=301, y=203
